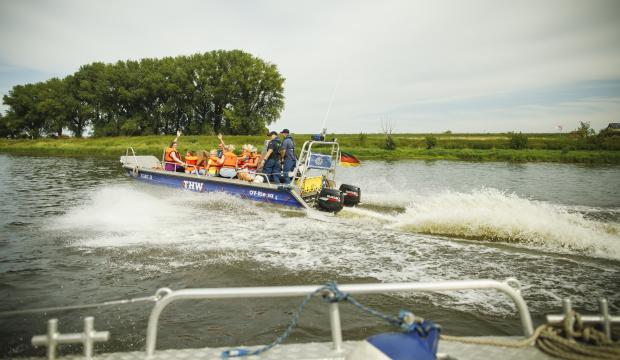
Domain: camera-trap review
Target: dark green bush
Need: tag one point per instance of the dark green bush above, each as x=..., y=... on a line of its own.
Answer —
x=518, y=141
x=390, y=143
x=431, y=141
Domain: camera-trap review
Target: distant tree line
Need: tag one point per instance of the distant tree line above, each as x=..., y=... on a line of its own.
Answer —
x=231, y=92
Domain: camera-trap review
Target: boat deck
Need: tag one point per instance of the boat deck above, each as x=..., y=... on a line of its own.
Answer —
x=316, y=351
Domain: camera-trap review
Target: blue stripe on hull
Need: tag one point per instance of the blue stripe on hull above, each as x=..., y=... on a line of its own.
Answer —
x=203, y=184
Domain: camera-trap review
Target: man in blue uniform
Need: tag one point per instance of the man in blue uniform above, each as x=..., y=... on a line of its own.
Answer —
x=287, y=154
x=271, y=162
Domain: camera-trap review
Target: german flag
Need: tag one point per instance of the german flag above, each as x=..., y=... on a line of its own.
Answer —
x=347, y=159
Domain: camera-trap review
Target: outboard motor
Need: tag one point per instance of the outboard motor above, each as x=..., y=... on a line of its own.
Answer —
x=331, y=200
x=352, y=194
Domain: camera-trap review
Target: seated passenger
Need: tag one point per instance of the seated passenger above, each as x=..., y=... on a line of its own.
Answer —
x=191, y=161
x=253, y=159
x=228, y=161
x=213, y=168
x=245, y=154
x=248, y=173
x=172, y=157
x=202, y=162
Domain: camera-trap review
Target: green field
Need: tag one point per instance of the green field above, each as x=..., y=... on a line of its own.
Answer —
x=469, y=147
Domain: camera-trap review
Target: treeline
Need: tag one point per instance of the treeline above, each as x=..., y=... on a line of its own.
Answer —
x=231, y=92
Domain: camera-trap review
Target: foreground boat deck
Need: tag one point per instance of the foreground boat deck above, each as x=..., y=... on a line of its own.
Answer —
x=324, y=351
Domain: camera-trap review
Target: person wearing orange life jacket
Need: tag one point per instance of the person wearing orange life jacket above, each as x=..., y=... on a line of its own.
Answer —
x=172, y=157
x=191, y=162
x=248, y=173
x=245, y=155
x=253, y=159
x=228, y=161
x=213, y=168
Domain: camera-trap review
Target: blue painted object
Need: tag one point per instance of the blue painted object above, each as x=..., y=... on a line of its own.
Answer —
x=320, y=161
x=279, y=195
x=419, y=343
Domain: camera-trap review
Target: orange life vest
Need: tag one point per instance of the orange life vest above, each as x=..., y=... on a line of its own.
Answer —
x=168, y=157
x=230, y=160
x=253, y=162
x=191, y=163
x=245, y=156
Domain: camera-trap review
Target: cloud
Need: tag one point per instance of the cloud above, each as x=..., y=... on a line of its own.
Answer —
x=389, y=56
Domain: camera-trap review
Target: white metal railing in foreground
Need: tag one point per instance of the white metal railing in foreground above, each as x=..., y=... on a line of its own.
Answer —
x=290, y=291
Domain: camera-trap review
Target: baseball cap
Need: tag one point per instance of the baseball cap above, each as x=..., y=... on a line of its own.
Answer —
x=285, y=131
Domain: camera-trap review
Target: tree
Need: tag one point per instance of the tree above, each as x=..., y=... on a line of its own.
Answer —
x=387, y=127
x=4, y=128
x=431, y=141
x=584, y=130
x=22, y=101
x=219, y=91
x=257, y=94
x=52, y=106
x=79, y=113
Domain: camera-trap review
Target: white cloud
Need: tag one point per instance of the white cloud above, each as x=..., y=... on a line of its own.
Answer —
x=390, y=55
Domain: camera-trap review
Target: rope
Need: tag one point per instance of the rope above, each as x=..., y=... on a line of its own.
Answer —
x=331, y=294
x=496, y=342
x=244, y=352
x=153, y=298
x=570, y=340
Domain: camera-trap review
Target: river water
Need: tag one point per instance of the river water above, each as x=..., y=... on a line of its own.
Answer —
x=78, y=231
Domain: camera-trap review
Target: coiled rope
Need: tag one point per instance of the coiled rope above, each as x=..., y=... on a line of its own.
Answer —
x=570, y=340
x=331, y=294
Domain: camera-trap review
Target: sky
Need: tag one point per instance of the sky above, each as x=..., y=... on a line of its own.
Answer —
x=357, y=66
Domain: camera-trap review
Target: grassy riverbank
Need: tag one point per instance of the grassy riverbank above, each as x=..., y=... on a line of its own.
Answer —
x=469, y=147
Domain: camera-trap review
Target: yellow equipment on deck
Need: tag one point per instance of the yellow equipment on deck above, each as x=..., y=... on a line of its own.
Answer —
x=311, y=184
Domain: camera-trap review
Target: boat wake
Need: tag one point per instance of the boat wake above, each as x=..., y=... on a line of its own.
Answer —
x=152, y=230
x=496, y=216
x=152, y=215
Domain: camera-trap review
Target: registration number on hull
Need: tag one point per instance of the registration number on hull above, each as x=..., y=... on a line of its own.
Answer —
x=262, y=194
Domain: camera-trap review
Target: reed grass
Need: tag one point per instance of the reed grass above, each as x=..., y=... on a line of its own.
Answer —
x=468, y=147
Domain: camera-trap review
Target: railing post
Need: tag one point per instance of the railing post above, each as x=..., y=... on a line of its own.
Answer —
x=606, y=319
x=334, y=321
x=52, y=335
x=567, y=313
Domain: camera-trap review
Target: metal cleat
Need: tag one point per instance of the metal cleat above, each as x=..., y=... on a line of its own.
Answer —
x=88, y=338
x=604, y=318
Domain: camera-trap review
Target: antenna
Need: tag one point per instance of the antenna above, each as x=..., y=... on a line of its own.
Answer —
x=331, y=101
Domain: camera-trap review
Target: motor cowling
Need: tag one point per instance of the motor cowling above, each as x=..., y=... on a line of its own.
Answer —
x=331, y=200
x=352, y=194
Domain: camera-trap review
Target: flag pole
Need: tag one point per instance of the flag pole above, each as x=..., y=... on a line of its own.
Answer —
x=331, y=101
